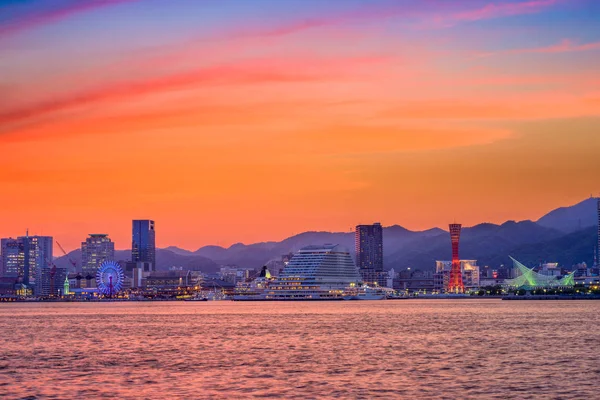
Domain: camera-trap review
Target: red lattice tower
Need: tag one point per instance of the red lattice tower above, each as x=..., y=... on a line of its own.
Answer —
x=455, y=284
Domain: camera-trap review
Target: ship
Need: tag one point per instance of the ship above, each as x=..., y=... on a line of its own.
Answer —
x=318, y=272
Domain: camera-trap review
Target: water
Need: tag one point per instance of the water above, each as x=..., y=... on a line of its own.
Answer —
x=385, y=349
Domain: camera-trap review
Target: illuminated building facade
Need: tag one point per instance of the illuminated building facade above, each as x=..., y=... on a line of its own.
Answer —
x=455, y=284
x=13, y=257
x=49, y=281
x=527, y=278
x=143, y=248
x=369, y=254
x=37, y=254
x=316, y=273
x=96, y=249
x=469, y=272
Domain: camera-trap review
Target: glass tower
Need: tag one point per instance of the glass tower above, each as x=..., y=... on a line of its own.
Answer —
x=37, y=254
x=143, y=247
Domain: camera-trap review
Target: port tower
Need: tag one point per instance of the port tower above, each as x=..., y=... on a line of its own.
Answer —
x=455, y=283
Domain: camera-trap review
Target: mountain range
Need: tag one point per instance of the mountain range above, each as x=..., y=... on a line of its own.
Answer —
x=566, y=235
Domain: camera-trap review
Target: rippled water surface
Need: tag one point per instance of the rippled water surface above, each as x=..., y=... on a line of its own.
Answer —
x=384, y=349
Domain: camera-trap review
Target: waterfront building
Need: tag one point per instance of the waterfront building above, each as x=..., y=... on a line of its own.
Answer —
x=528, y=278
x=485, y=282
x=469, y=271
x=550, y=269
x=316, y=273
x=13, y=257
x=143, y=247
x=66, y=286
x=232, y=274
x=414, y=281
x=96, y=249
x=49, y=281
x=369, y=254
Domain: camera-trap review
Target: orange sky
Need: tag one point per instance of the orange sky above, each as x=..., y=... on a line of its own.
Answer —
x=245, y=137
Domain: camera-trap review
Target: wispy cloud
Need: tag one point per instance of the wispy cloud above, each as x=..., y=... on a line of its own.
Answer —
x=44, y=14
x=564, y=46
x=257, y=71
x=492, y=11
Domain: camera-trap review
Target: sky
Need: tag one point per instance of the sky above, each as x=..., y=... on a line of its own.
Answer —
x=232, y=121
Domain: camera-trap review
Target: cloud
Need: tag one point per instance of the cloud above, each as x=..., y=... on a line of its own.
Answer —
x=258, y=71
x=49, y=15
x=564, y=46
x=531, y=107
x=492, y=11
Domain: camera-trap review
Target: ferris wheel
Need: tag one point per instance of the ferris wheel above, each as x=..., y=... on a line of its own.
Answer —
x=109, y=278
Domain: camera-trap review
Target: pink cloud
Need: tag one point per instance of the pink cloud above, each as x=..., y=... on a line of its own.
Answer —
x=564, y=46
x=261, y=71
x=493, y=10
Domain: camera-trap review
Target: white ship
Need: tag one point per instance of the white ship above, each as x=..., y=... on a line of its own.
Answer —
x=324, y=272
x=367, y=293
x=255, y=290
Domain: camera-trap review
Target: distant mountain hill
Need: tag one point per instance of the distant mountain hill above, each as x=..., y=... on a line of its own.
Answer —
x=566, y=250
x=164, y=260
x=253, y=255
x=555, y=237
x=573, y=218
x=177, y=250
x=479, y=242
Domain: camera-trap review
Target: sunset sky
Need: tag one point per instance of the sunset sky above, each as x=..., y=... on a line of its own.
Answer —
x=252, y=120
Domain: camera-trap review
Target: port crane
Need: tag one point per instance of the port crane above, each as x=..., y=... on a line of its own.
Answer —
x=73, y=263
x=52, y=275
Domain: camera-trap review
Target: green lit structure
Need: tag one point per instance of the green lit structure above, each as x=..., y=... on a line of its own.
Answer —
x=529, y=279
x=66, y=287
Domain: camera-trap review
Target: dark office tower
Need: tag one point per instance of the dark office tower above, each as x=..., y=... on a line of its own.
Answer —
x=369, y=253
x=143, y=246
x=37, y=254
x=598, y=247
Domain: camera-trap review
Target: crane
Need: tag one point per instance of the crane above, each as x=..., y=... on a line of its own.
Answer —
x=52, y=275
x=73, y=263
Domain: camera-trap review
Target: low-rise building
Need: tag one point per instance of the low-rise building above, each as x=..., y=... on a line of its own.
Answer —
x=469, y=271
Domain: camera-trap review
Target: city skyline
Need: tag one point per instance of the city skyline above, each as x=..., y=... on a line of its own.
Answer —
x=120, y=246
x=218, y=118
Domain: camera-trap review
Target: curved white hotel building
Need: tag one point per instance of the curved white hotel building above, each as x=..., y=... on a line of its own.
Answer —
x=316, y=273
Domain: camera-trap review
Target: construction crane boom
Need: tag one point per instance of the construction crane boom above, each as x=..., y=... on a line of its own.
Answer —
x=73, y=263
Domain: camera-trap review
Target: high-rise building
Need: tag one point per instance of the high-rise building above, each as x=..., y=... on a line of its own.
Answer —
x=455, y=284
x=598, y=247
x=369, y=253
x=143, y=247
x=38, y=253
x=13, y=260
x=94, y=251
